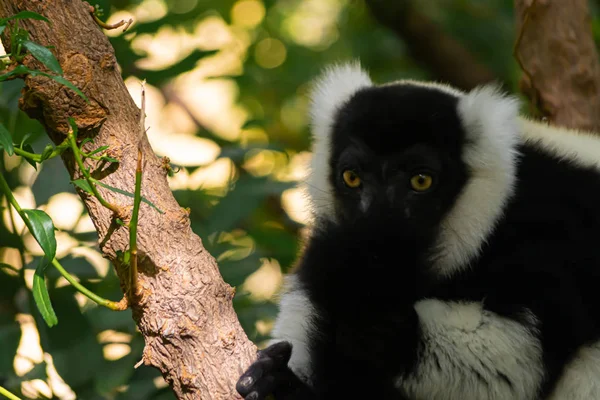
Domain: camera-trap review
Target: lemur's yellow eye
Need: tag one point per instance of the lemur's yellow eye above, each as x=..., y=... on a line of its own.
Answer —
x=351, y=179
x=421, y=182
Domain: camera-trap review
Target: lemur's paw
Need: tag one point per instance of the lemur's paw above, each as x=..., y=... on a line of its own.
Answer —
x=267, y=373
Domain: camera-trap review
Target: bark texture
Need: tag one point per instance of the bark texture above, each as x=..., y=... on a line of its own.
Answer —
x=185, y=313
x=430, y=46
x=561, y=71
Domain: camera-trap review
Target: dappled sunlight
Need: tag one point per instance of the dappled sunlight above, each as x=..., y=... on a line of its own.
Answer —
x=36, y=388
x=29, y=351
x=213, y=103
x=312, y=23
x=65, y=210
x=264, y=327
x=146, y=11
x=115, y=351
x=264, y=162
x=247, y=13
x=213, y=176
x=182, y=148
x=265, y=281
x=242, y=245
x=28, y=174
x=11, y=162
x=92, y=257
x=253, y=135
x=270, y=53
x=84, y=224
x=164, y=48
x=296, y=205
x=64, y=244
x=12, y=257
x=25, y=198
x=186, y=150
x=112, y=336
x=150, y=10
x=116, y=344
x=159, y=382
x=297, y=168
x=55, y=381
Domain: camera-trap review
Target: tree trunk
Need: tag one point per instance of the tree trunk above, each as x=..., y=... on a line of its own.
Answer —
x=561, y=71
x=185, y=313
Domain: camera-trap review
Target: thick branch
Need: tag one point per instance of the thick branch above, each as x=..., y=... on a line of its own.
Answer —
x=556, y=50
x=430, y=46
x=184, y=313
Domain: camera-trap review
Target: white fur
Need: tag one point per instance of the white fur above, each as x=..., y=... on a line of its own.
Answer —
x=293, y=324
x=490, y=121
x=581, y=378
x=473, y=347
x=579, y=147
x=331, y=90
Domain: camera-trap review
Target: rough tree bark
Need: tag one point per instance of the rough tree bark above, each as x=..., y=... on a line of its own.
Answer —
x=557, y=53
x=429, y=45
x=185, y=313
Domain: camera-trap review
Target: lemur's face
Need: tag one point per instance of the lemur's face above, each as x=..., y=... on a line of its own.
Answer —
x=396, y=158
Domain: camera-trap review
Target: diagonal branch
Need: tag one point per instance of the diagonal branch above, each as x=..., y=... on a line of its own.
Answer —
x=430, y=46
x=184, y=310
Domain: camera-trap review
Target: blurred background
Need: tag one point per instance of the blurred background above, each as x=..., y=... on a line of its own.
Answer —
x=226, y=103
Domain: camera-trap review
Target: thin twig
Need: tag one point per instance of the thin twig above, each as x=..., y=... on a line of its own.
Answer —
x=110, y=26
x=8, y=394
x=133, y=270
x=517, y=56
x=77, y=155
x=116, y=306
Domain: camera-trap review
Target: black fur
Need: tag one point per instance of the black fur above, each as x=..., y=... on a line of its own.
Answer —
x=364, y=273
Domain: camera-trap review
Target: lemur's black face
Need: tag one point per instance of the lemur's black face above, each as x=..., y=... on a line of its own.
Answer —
x=396, y=158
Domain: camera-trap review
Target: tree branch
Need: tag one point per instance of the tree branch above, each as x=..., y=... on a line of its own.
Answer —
x=431, y=47
x=184, y=311
x=556, y=50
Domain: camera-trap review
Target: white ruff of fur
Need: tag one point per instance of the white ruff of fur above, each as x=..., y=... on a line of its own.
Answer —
x=470, y=353
x=490, y=121
x=293, y=325
x=331, y=91
x=581, y=379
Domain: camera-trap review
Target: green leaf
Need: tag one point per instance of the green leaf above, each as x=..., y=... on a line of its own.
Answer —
x=109, y=159
x=18, y=70
x=23, y=70
x=24, y=15
x=6, y=140
x=128, y=194
x=83, y=184
x=44, y=55
x=67, y=83
x=41, y=296
x=29, y=149
x=96, y=151
x=43, y=231
x=47, y=152
x=2, y=28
